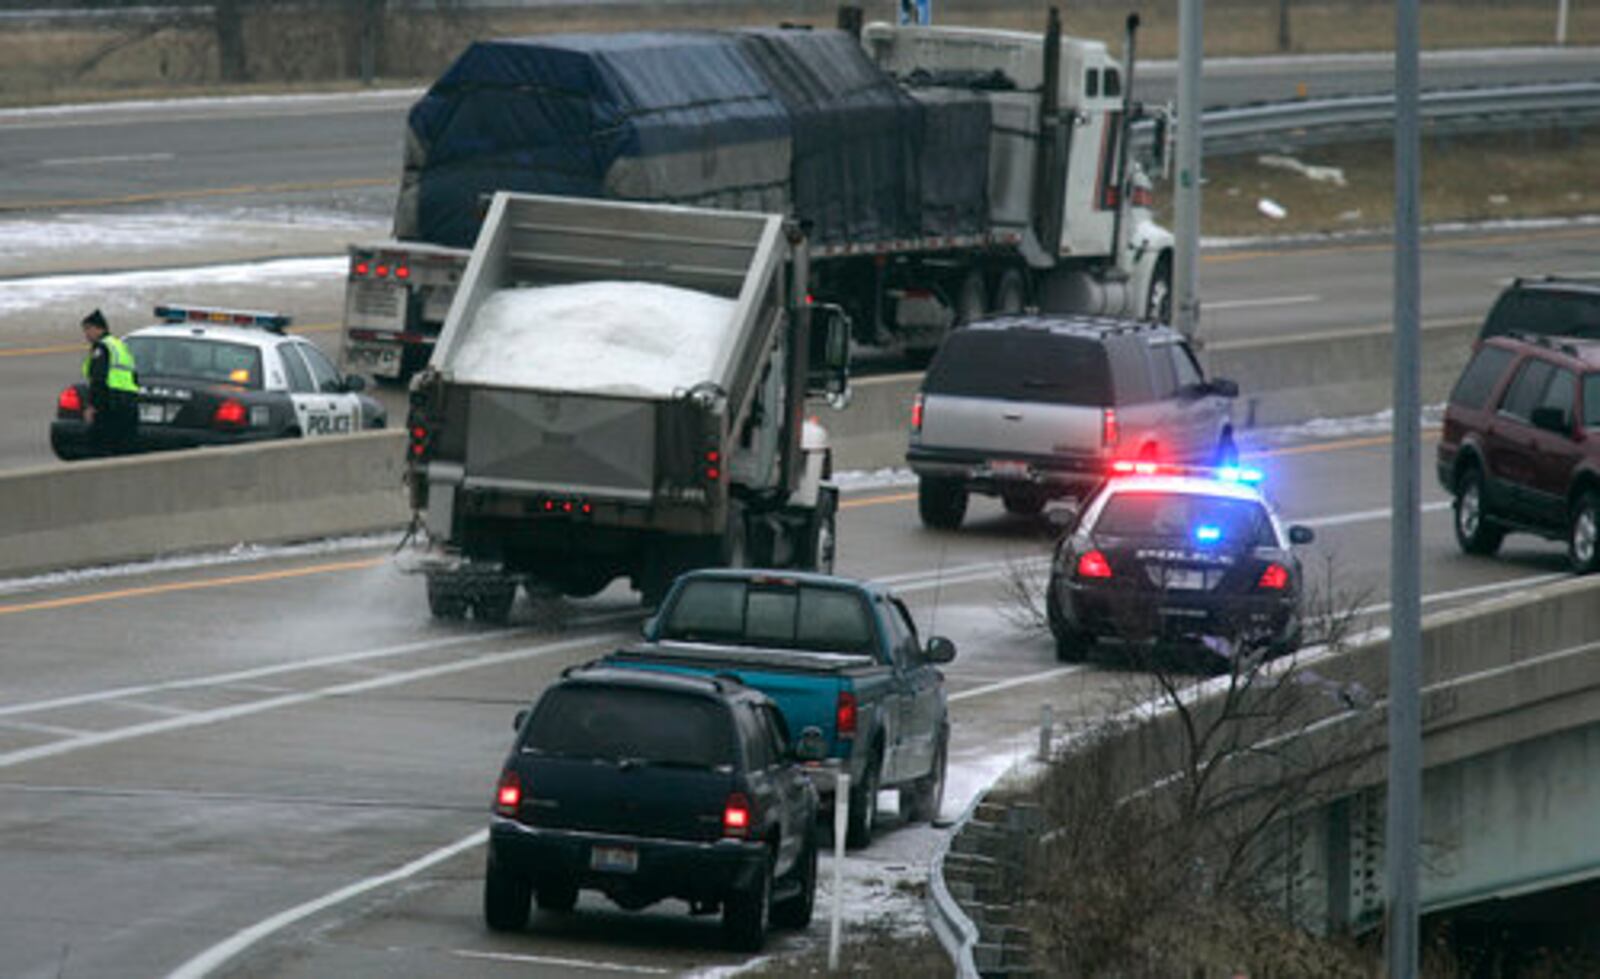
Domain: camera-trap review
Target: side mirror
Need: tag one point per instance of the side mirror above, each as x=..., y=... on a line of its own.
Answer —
x=1301, y=534
x=521, y=719
x=1063, y=520
x=1224, y=388
x=828, y=355
x=354, y=383
x=1551, y=420
x=811, y=746
x=940, y=650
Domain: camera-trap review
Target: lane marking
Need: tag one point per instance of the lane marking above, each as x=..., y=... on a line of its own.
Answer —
x=1444, y=240
x=178, y=195
x=161, y=709
x=203, y=964
x=564, y=963
x=89, y=161
x=1016, y=682
x=50, y=729
x=191, y=585
x=1267, y=301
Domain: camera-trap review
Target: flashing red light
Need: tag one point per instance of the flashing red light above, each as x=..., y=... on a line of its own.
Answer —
x=844, y=715
x=916, y=413
x=1093, y=564
x=402, y=271
x=362, y=268
x=1123, y=467
x=508, y=794
x=70, y=401
x=1274, y=578
x=1110, y=432
x=736, y=815
x=230, y=413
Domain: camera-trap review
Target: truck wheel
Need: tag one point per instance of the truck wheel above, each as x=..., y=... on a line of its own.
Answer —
x=1010, y=292
x=941, y=502
x=972, y=300
x=1158, y=301
x=506, y=898
x=445, y=599
x=824, y=543
x=1024, y=501
x=558, y=897
x=1474, y=533
x=863, y=806
x=492, y=602
x=1583, y=534
x=794, y=911
x=744, y=912
x=927, y=793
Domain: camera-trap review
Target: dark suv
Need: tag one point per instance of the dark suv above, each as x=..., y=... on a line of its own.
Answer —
x=1547, y=306
x=1520, y=451
x=646, y=786
x=1033, y=407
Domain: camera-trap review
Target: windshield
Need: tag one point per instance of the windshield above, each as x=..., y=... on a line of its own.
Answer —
x=614, y=724
x=783, y=614
x=215, y=361
x=1217, y=520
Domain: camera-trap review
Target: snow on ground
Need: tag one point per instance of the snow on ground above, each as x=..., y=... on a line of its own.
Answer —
x=638, y=338
x=293, y=275
x=1320, y=429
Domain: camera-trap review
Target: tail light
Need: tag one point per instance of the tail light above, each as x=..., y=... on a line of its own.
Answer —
x=70, y=402
x=508, y=794
x=361, y=267
x=1093, y=564
x=916, y=413
x=419, y=441
x=402, y=271
x=736, y=816
x=1274, y=578
x=1110, y=432
x=229, y=414
x=844, y=715
x=713, y=461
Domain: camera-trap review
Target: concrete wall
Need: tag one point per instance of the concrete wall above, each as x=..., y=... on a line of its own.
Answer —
x=114, y=510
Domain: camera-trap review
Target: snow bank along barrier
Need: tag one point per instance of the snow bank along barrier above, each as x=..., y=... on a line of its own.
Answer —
x=1497, y=676
x=115, y=510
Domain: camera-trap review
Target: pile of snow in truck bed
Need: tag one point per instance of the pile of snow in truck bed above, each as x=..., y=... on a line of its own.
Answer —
x=622, y=338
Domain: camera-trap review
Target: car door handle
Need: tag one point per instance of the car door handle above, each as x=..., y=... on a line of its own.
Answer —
x=1011, y=416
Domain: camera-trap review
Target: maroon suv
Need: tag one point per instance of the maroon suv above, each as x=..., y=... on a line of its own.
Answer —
x=1520, y=449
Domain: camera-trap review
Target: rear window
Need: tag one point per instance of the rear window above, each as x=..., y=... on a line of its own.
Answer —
x=214, y=361
x=1546, y=312
x=611, y=723
x=1477, y=382
x=781, y=614
x=1021, y=365
x=1183, y=515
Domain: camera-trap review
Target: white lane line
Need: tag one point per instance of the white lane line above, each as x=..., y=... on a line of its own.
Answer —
x=1017, y=682
x=50, y=729
x=155, y=708
x=91, y=161
x=564, y=963
x=203, y=964
x=203, y=718
x=1266, y=301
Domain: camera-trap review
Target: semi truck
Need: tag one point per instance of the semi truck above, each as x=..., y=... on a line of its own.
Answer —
x=620, y=390
x=941, y=173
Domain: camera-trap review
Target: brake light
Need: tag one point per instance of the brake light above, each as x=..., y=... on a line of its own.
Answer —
x=70, y=402
x=1274, y=578
x=736, y=816
x=916, y=413
x=508, y=794
x=844, y=715
x=1110, y=433
x=1093, y=564
x=229, y=414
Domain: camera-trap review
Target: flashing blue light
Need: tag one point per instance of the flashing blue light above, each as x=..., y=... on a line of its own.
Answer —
x=1207, y=534
x=1239, y=474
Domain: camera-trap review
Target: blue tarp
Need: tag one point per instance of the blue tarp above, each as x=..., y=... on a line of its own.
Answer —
x=798, y=122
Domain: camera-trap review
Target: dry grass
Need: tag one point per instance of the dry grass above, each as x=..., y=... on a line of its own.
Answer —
x=879, y=949
x=58, y=64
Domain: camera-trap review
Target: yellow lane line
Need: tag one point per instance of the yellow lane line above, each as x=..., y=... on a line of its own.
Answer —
x=195, y=194
x=67, y=348
x=177, y=586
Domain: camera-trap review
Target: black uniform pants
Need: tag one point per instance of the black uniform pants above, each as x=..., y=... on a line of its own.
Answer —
x=115, y=427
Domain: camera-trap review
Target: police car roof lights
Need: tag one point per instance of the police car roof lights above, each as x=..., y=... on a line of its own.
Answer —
x=1244, y=475
x=250, y=318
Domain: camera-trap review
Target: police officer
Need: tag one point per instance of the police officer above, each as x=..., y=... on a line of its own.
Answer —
x=113, y=410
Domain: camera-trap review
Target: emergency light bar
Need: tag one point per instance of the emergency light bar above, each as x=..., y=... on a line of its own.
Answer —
x=1243, y=475
x=275, y=322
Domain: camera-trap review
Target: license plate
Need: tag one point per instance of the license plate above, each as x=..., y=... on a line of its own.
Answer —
x=157, y=414
x=385, y=359
x=1009, y=469
x=1185, y=579
x=614, y=859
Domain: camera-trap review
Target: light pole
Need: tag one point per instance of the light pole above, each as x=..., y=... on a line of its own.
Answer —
x=1186, y=195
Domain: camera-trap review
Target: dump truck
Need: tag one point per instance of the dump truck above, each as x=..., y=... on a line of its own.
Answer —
x=941, y=173
x=620, y=390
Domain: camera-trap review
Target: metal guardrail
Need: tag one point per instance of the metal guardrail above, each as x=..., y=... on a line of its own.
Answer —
x=1242, y=129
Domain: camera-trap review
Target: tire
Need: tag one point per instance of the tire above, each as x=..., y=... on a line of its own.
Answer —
x=942, y=503
x=584, y=585
x=1010, y=292
x=1474, y=532
x=972, y=300
x=927, y=793
x=1158, y=300
x=744, y=913
x=1583, y=534
x=824, y=544
x=863, y=806
x=1027, y=502
x=445, y=599
x=558, y=898
x=795, y=912
x=492, y=602
x=507, y=897
x=1072, y=645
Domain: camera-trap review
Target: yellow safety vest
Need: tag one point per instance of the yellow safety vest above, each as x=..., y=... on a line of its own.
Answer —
x=121, y=374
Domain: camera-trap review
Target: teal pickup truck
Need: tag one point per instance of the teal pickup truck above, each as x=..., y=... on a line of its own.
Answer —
x=838, y=655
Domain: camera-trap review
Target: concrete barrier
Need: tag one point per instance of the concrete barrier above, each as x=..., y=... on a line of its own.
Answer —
x=109, y=510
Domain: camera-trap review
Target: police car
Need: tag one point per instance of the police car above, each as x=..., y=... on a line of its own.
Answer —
x=224, y=377
x=1163, y=553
